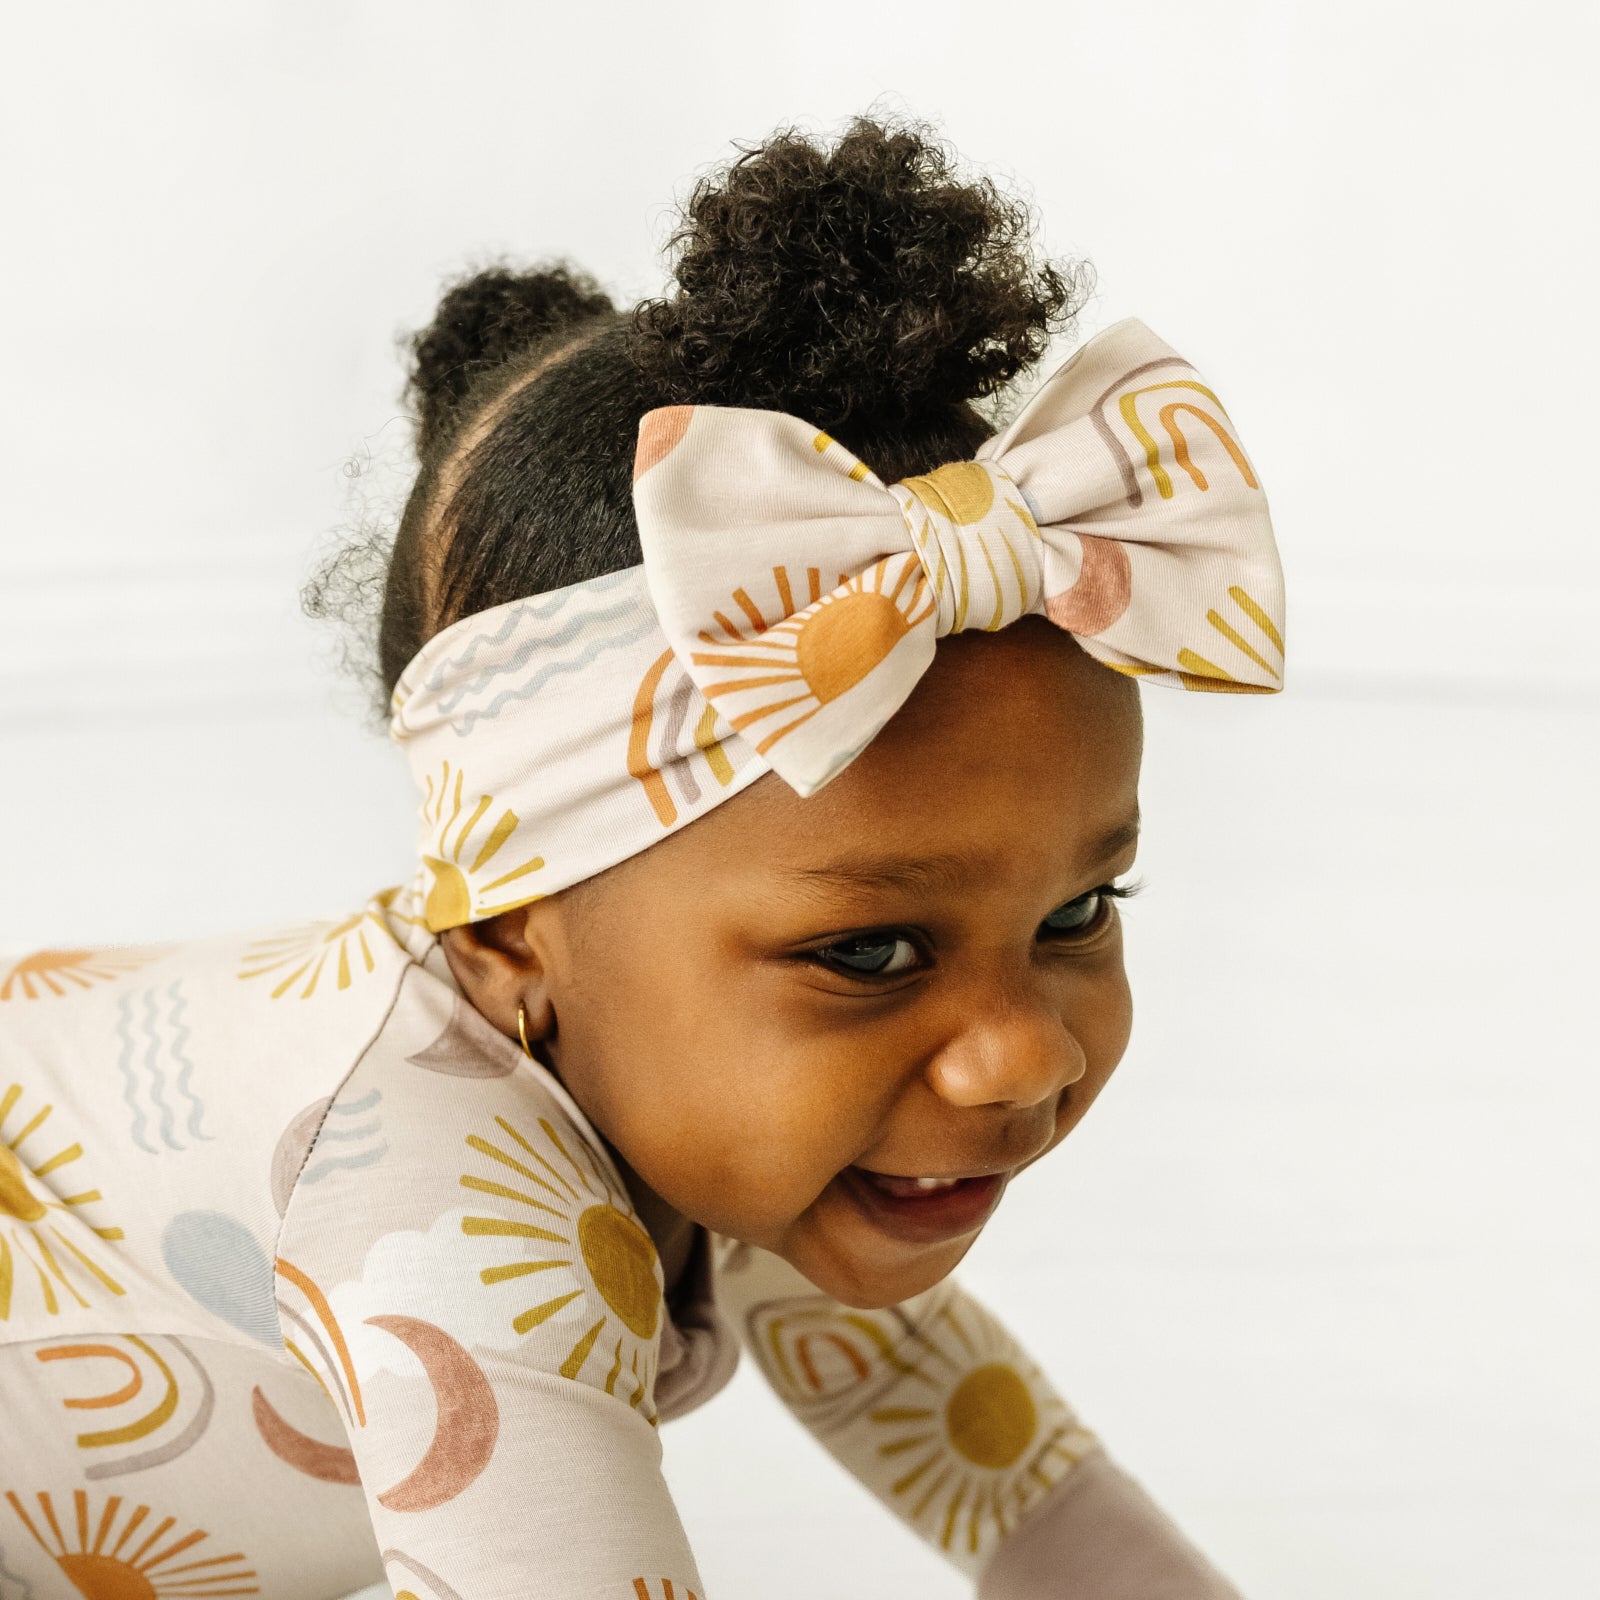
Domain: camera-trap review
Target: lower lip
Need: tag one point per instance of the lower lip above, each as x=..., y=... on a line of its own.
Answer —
x=926, y=1218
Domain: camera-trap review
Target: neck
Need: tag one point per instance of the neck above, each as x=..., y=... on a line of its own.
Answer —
x=670, y=1231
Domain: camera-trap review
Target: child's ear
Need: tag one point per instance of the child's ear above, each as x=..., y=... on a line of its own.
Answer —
x=501, y=964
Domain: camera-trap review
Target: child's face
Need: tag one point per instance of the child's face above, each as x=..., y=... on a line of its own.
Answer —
x=741, y=1077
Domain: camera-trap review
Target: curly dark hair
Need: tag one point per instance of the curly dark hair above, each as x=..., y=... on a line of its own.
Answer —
x=864, y=287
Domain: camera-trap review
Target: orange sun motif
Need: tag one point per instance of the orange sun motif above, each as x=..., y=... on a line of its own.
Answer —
x=789, y=668
x=53, y=971
x=30, y=1232
x=146, y=1571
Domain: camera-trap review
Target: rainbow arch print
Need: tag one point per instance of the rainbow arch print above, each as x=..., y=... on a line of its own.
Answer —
x=158, y=1404
x=1164, y=403
x=663, y=705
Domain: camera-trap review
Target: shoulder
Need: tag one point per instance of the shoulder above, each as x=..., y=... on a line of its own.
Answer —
x=487, y=1214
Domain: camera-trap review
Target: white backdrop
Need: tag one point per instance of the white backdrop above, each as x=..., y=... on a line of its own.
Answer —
x=1321, y=1268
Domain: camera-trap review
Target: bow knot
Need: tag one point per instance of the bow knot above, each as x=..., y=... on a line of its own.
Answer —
x=978, y=544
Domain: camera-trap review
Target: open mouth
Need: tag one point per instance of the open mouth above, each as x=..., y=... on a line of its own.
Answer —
x=923, y=1210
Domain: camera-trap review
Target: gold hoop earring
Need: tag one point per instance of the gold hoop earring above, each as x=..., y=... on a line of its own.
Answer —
x=522, y=1032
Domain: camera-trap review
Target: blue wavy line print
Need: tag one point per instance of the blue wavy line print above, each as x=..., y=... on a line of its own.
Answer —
x=550, y=606
x=366, y=1131
x=354, y=1108
x=533, y=647
x=320, y=1169
x=125, y=1064
x=155, y=1071
x=180, y=1038
x=464, y=724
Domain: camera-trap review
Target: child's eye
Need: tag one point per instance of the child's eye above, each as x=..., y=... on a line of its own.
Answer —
x=1088, y=912
x=871, y=954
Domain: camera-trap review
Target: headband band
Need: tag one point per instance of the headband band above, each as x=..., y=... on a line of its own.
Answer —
x=789, y=600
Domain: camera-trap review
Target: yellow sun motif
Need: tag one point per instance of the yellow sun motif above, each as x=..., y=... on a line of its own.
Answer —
x=343, y=951
x=30, y=1231
x=962, y=494
x=801, y=660
x=146, y=1570
x=965, y=1430
x=53, y=971
x=587, y=1232
x=457, y=896
x=989, y=1437
x=1198, y=672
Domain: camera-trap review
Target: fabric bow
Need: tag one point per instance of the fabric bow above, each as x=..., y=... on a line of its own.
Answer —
x=803, y=595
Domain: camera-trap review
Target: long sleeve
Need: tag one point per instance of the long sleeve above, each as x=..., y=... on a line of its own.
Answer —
x=461, y=1267
x=937, y=1409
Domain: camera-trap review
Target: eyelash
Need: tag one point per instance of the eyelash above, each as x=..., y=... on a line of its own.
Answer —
x=1108, y=892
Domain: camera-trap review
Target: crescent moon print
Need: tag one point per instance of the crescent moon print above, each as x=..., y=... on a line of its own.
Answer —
x=584, y=1248
x=470, y=1047
x=468, y=1420
x=151, y=1404
x=132, y=1568
x=328, y=1463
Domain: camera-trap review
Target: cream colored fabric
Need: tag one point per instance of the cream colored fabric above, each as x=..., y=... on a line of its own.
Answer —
x=789, y=600
x=309, y=1279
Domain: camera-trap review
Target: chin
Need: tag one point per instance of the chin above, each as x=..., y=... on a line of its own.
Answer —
x=865, y=1290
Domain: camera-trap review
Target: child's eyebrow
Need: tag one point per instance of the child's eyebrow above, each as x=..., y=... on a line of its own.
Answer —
x=941, y=871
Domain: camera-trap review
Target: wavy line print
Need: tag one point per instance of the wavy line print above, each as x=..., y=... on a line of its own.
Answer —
x=125, y=1066
x=180, y=1039
x=529, y=608
x=464, y=725
x=354, y=1108
x=571, y=631
x=155, y=1071
x=321, y=1169
x=538, y=648
x=365, y=1131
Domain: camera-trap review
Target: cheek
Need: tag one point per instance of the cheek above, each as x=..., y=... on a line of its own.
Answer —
x=715, y=1102
x=1104, y=1028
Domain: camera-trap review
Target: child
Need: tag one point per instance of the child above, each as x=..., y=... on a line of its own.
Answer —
x=379, y=1249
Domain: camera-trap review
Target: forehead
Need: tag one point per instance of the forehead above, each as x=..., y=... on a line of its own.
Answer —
x=1014, y=746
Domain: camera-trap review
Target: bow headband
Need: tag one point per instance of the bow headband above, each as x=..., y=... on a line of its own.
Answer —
x=789, y=600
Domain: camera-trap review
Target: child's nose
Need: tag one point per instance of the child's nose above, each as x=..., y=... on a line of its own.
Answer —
x=1014, y=1052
